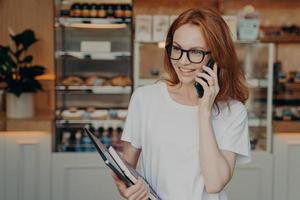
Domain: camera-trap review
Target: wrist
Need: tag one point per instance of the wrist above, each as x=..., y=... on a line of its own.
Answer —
x=205, y=113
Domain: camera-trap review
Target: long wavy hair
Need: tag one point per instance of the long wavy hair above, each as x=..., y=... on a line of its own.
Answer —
x=217, y=35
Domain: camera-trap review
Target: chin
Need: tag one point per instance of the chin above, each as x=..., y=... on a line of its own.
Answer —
x=187, y=80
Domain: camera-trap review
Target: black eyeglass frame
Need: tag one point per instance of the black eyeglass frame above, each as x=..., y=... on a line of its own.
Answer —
x=169, y=49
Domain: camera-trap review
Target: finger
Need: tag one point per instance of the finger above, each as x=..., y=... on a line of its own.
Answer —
x=145, y=191
x=142, y=188
x=147, y=194
x=209, y=71
x=201, y=82
x=118, y=181
x=146, y=197
x=133, y=189
x=140, y=194
x=208, y=78
x=215, y=69
x=114, y=176
x=143, y=194
x=120, y=186
x=216, y=73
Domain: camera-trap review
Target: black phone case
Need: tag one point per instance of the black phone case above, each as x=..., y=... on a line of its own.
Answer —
x=198, y=86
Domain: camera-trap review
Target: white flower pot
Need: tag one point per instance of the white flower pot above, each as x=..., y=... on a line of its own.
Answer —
x=19, y=107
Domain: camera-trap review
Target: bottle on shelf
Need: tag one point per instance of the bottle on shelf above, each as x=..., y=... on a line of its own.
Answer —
x=110, y=11
x=127, y=11
x=76, y=9
x=101, y=11
x=93, y=10
x=78, y=137
x=118, y=12
x=85, y=12
x=65, y=9
x=106, y=139
x=65, y=143
x=100, y=132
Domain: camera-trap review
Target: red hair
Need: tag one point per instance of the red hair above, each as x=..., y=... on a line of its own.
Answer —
x=218, y=39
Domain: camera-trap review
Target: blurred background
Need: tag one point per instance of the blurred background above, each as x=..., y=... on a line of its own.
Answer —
x=65, y=65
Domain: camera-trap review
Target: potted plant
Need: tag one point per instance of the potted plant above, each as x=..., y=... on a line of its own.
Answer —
x=18, y=75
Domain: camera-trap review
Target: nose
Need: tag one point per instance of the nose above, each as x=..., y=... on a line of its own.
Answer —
x=184, y=59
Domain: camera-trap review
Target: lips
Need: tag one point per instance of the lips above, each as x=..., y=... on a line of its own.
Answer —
x=185, y=70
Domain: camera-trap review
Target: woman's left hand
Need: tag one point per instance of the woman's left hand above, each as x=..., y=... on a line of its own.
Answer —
x=211, y=88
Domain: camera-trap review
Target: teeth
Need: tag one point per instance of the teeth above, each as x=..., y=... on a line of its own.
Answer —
x=186, y=70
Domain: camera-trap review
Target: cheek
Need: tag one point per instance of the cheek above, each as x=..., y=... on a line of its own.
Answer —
x=175, y=67
x=174, y=63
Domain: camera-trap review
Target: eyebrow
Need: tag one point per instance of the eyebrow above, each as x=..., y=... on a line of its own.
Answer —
x=191, y=47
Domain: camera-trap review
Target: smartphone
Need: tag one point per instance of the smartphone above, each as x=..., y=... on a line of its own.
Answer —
x=198, y=86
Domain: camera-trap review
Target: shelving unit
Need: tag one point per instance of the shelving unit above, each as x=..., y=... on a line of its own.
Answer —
x=93, y=81
x=286, y=101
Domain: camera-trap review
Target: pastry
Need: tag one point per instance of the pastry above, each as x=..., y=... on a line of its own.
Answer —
x=121, y=81
x=99, y=114
x=72, y=81
x=94, y=81
x=90, y=109
x=122, y=114
x=72, y=114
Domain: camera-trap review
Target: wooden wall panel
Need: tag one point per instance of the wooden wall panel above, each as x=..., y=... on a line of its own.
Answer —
x=37, y=15
x=33, y=14
x=168, y=7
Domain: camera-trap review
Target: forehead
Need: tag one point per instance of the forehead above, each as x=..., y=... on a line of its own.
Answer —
x=189, y=35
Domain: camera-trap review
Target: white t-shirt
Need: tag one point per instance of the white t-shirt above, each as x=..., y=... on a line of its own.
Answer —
x=168, y=134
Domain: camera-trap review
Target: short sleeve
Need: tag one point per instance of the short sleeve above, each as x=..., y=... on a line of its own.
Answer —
x=236, y=134
x=132, y=128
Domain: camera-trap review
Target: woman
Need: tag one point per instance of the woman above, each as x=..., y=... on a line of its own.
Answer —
x=189, y=145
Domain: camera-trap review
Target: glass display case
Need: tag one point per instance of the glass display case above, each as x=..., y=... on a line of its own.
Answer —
x=257, y=60
x=93, y=73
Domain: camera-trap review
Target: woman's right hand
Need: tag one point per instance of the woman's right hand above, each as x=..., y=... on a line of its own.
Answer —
x=138, y=191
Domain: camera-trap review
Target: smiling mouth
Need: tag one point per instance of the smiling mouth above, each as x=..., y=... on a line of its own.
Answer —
x=186, y=70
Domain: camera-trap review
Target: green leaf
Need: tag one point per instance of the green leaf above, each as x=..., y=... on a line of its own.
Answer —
x=6, y=62
x=32, y=71
x=27, y=59
x=26, y=39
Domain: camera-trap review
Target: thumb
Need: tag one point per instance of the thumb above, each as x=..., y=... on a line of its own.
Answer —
x=121, y=185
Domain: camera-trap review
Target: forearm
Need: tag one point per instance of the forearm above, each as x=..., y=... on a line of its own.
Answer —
x=215, y=168
x=131, y=154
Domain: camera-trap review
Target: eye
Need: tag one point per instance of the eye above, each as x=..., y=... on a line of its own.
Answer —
x=196, y=51
x=175, y=48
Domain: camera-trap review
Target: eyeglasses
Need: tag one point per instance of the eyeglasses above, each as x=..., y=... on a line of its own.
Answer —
x=194, y=55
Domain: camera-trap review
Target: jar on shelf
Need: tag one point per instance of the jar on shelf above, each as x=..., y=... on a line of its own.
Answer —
x=119, y=12
x=127, y=11
x=94, y=10
x=65, y=9
x=110, y=10
x=101, y=11
x=76, y=10
x=85, y=10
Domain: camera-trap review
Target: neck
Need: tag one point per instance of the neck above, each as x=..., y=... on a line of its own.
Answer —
x=187, y=90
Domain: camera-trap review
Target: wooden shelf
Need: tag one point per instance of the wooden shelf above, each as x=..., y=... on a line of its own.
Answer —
x=287, y=96
x=281, y=39
x=292, y=86
x=97, y=89
x=93, y=55
x=106, y=123
x=286, y=126
x=93, y=23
